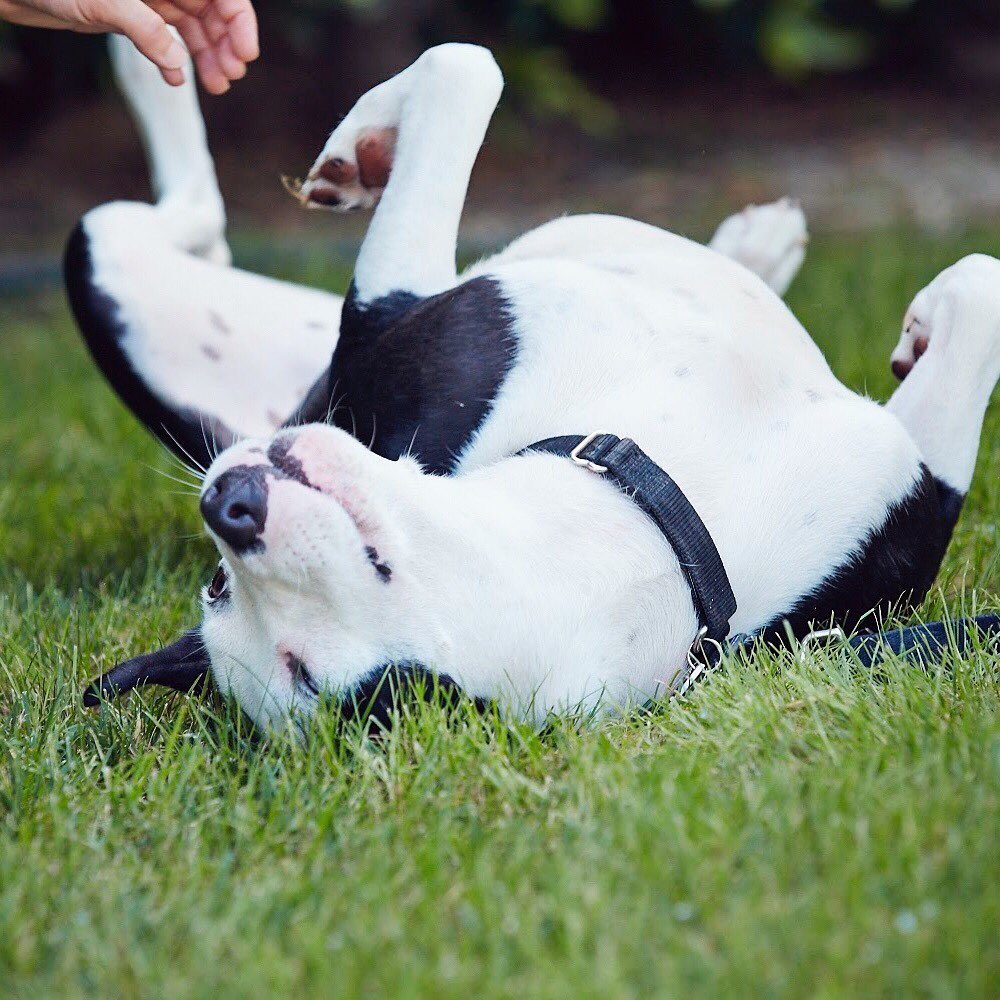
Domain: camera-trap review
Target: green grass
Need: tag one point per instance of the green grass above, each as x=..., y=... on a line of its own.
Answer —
x=794, y=828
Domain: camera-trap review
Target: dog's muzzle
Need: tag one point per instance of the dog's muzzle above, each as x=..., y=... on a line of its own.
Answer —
x=235, y=507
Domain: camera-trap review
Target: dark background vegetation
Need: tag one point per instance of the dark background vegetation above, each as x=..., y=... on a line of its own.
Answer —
x=560, y=54
x=872, y=111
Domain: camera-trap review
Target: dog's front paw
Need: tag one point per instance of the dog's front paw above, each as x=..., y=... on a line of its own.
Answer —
x=351, y=172
x=962, y=303
x=769, y=240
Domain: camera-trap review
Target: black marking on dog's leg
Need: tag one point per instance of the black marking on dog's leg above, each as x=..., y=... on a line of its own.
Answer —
x=98, y=318
x=218, y=323
x=433, y=365
x=893, y=568
x=384, y=570
x=384, y=689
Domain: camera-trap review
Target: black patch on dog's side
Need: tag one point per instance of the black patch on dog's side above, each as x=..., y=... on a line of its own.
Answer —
x=368, y=320
x=418, y=372
x=317, y=406
x=951, y=507
x=186, y=433
x=371, y=319
x=893, y=568
x=384, y=689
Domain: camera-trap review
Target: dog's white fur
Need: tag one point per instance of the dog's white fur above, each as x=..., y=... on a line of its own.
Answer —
x=198, y=330
x=527, y=579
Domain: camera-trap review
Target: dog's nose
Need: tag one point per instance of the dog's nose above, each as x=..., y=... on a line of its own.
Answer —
x=235, y=507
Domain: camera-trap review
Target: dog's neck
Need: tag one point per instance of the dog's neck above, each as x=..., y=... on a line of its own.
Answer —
x=533, y=571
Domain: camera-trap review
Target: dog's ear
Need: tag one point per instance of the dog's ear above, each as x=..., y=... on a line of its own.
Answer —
x=179, y=666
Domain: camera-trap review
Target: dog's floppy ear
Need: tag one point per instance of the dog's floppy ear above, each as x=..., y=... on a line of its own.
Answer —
x=179, y=666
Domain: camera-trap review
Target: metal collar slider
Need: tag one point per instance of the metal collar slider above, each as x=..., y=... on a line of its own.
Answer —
x=577, y=452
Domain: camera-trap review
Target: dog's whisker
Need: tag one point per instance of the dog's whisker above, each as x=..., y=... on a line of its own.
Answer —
x=197, y=465
x=183, y=466
x=413, y=441
x=204, y=437
x=194, y=487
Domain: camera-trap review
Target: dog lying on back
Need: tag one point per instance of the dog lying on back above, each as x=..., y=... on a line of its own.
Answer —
x=397, y=523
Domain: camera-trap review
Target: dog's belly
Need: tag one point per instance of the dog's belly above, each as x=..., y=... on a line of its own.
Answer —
x=700, y=363
x=795, y=476
x=523, y=347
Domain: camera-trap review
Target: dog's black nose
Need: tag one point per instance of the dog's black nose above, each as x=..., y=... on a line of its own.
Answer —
x=235, y=507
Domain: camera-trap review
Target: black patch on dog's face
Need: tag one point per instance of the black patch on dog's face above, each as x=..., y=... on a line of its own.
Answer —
x=384, y=570
x=289, y=467
x=417, y=375
x=384, y=689
x=301, y=674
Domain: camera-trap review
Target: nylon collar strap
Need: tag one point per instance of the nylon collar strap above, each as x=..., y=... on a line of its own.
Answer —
x=624, y=463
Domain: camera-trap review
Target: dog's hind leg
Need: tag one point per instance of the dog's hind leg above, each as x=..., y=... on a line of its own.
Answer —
x=769, y=240
x=202, y=354
x=189, y=204
x=949, y=360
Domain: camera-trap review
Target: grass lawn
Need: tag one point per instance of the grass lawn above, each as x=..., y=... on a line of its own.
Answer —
x=793, y=827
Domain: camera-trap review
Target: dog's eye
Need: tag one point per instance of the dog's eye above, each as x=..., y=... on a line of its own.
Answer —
x=219, y=585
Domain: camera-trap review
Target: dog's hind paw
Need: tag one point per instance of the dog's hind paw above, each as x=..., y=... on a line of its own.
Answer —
x=961, y=305
x=769, y=240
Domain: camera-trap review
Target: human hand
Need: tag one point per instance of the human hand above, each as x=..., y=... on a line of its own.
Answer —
x=220, y=34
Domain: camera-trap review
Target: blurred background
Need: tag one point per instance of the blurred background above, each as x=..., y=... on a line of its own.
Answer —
x=876, y=113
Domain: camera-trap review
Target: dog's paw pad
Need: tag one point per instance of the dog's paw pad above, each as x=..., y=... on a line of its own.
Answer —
x=349, y=174
x=338, y=171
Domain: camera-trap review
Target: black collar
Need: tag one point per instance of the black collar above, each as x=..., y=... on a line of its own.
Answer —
x=625, y=464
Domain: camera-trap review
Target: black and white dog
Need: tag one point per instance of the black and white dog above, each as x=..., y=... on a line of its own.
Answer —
x=408, y=528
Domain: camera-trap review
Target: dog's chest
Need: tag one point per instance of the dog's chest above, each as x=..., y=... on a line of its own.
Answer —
x=420, y=376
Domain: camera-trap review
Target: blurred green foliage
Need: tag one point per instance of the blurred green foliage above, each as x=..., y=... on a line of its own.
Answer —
x=796, y=37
